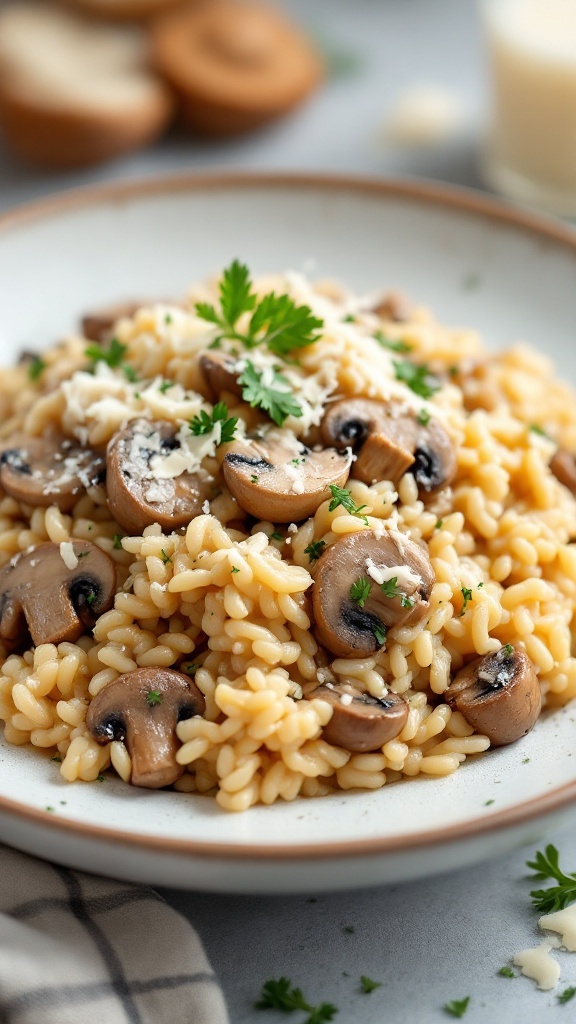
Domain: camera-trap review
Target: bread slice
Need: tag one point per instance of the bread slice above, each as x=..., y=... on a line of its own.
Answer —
x=234, y=66
x=74, y=92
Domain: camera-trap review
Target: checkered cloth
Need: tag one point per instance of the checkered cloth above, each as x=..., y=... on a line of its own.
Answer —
x=76, y=949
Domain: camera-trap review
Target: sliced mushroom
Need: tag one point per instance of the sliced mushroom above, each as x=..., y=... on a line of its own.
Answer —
x=143, y=708
x=99, y=325
x=563, y=466
x=281, y=482
x=358, y=627
x=57, y=592
x=359, y=721
x=220, y=373
x=393, y=306
x=398, y=442
x=49, y=470
x=136, y=497
x=499, y=695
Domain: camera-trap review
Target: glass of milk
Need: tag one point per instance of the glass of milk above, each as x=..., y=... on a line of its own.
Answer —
x=530, y=152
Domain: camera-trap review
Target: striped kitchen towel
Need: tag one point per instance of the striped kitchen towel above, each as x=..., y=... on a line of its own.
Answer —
x=77, y=949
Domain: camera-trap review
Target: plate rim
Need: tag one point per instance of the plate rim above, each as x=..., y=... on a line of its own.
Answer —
x=465, y=200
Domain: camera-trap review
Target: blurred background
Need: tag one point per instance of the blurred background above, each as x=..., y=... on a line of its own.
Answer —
x=402, y=90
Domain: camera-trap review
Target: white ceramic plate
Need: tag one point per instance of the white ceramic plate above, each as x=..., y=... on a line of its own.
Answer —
x=476, y=264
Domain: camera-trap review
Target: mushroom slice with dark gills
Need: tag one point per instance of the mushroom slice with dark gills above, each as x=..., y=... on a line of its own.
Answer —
x=279, y=479
x=220, y=373
x=55, y=592
x=563, y=466
x=359, y=721
x=366, y=585
x=51, y=470
x=142, y=483
x=142, y=708
x=499, y=695
x=389, y=440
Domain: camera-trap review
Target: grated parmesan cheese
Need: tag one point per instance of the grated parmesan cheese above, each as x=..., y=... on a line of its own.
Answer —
x=405, y=577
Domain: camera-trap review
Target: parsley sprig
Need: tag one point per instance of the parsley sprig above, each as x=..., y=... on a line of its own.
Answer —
x=390, y=588
x=457, y=1007
x=360, y=591
x=272, y=398
x=205, y=422
x=36, y=368
x=342, y=496
x=393, y=346
x=315, y=549
x=368, y=985
x=417, y=376
x=467, y=596
x=567, y=994
x=153, y=697
x=276, y=321
x=113, y=356
x=279, y=995
x=555, y=897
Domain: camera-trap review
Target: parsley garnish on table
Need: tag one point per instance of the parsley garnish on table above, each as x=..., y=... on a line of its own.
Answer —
x=368, y=985
x=271, y=398
x=276, y=321
x=205, y=422
x=457, y=1007
x=567, y=994
x=417, y=376
x=279, y=995
x=555, y=897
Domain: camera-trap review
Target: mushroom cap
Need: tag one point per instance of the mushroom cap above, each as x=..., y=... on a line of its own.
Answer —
x=364, y=722
x=50, y=470
x=220, y=374
x=499, y=695
x=135, y=498
x=341, y=624
x=124, y=710
x=563, y=466
x=57, y=604
x=279, y=480
x=234, y=66
x=99, y=325
x=426, y=450
x=393, y=306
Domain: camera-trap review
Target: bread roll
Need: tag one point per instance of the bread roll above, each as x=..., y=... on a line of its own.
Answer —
x=73, y=92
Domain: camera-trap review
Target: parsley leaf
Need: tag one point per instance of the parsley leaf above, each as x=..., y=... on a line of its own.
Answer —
x=276, y=320
x=457, y=1007
x=406, y=602
x=380, y=632
x=342, y=496
x=113, y=356
x=507, y=972
x=118, y=542
x=315, y=549
x=393, y=346
x=272, y=398
x=423, y=417
x=206, y=422
x=278, y=536
x=36, y=368
x=390, y=588
x=153, y=697
x=360, y=591
x=368, y=985
x=279, y=995
x=556, y=897
x=467, y=595
x=507, y=650
x=165, y=386
x=165, y=558
x=417, y=377
x=567, y=994
x=537, y=429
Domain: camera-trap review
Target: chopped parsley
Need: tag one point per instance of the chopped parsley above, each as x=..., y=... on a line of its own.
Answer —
x=507, y=650
x=206, y=422
x=406, y=602
x=314, y=550
x=342, y=496
x=379, y=630
x=488, y=802
x=130, y=374
x=190, y=669
x=457, y=1007
x=113, y=356
x=279, y=995
x=360, y=591
x=165, y=386
x=234, y=569
x=276, y=321
x=273, y=398
x=56, y=758
x=36, y=368
x=254, y=478
x=349, y=928
x=394, y=346
x=168, y=318
x=439, y=524
x=555, y=897
x=82, y=554
x=423, y=417
x=118, y=542
x=50, y=809
x=467, y=595
x=417, y=377
x=537, y=429
x=390, y=587
x=278, y=536
x=368, y=985
x=153, y=697
x=526, y=760
x=165, y=558
x=91, y=597
x=349, y=319
x=100, y=778
x=567, y=994
x=506, y=972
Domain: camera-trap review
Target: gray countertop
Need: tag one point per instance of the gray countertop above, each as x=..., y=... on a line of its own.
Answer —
x=431, y=941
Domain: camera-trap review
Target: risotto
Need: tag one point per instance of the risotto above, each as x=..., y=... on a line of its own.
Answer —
x=280, y=540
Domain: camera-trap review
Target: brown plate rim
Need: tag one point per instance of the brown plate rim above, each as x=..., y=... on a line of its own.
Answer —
x=452, y=198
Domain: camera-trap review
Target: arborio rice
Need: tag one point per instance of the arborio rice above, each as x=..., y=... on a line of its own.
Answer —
x=228, y=601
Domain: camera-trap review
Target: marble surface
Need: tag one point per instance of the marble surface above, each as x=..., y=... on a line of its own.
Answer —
x=444, y=938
